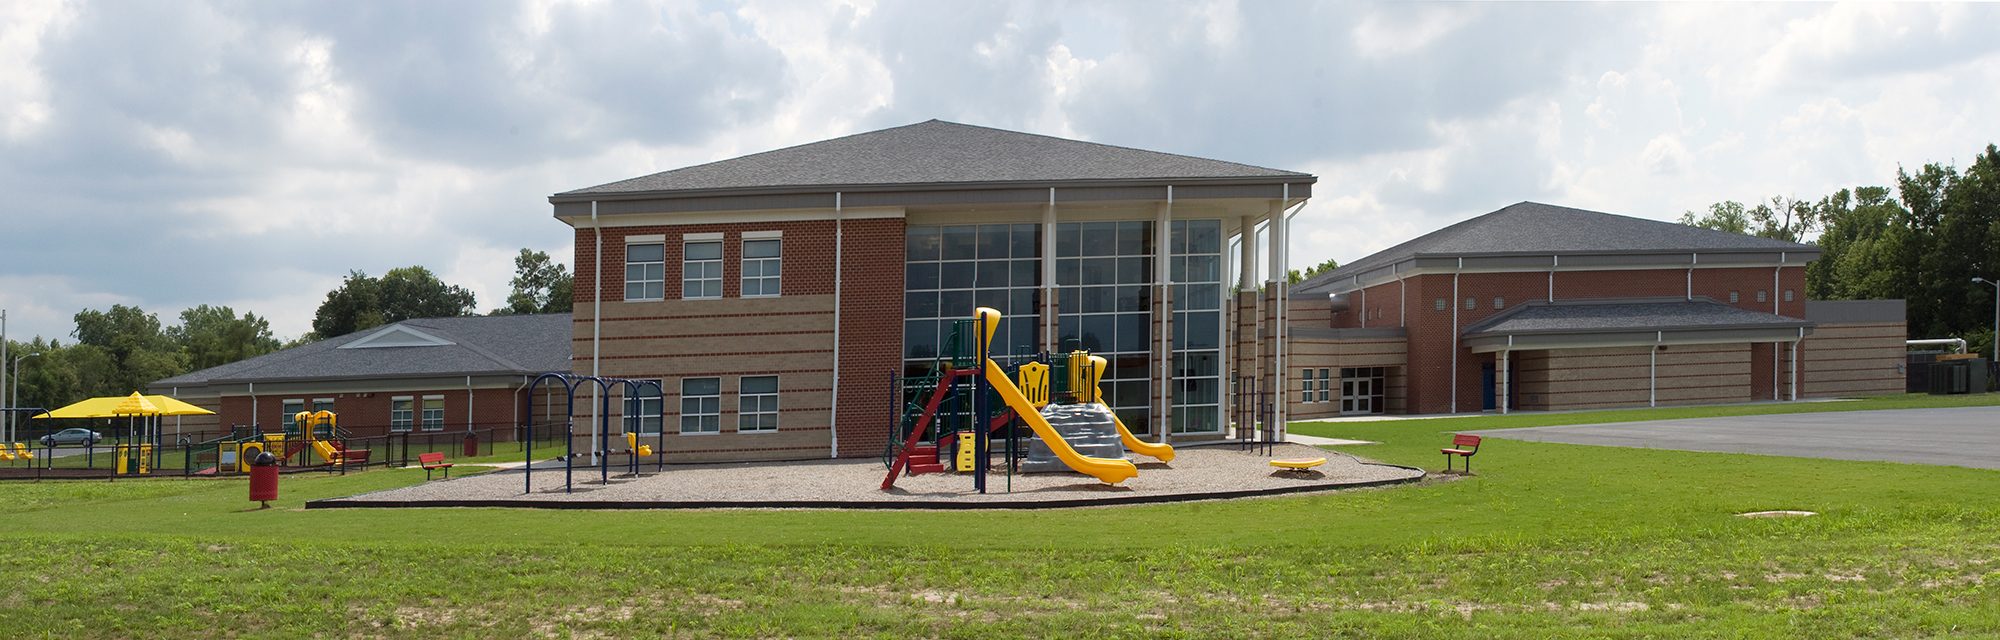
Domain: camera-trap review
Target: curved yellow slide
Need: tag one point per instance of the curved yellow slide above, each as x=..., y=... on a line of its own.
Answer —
x=1105, y=470
x=1159, y=450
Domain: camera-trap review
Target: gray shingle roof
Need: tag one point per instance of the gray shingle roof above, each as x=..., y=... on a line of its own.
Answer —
x=481, y=345
x=934, y=152
x=1626, y=315
x=1536, y=228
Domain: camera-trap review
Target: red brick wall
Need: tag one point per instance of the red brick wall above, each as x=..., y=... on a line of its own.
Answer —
x=871, y=332
x=1431, y=331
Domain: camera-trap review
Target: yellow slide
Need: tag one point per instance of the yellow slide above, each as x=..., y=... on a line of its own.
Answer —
x=1162, y=451
x=1105, y=470
x=325, y=451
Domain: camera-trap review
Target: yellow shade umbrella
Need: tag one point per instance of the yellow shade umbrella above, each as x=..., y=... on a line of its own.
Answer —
x=121, y=406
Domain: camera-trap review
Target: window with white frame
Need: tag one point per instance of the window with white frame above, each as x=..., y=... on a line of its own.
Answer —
x=757, y=403
x=288, y=410
x=643, y=408
x=645, y=271
x=1306, y=385
x=701, y=269
x=701, y=405
x=762, y=262
x=402, y=413
x=433, y=413
x=1325, y=382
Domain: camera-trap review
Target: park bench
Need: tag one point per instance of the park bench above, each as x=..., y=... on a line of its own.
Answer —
x=1459, y=442
x=434, y=461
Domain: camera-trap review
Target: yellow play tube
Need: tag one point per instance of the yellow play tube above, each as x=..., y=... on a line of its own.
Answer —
x=1105, y=470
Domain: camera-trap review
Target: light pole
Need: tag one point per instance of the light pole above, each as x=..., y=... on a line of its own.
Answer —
x=14, y=423
x=1996, y=317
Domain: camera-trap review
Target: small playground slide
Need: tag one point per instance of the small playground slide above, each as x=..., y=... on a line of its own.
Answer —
x=1159, y=450
x=1105, y=470
x=326, y=451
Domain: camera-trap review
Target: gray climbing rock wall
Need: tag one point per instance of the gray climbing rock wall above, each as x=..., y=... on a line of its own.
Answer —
x=1087, y=427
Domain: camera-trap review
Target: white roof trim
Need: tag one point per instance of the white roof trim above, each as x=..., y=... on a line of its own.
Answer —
x=397, y=335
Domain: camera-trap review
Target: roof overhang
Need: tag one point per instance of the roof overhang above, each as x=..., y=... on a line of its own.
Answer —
x=573, y=205
x=1542, y=262
x=1533, y=341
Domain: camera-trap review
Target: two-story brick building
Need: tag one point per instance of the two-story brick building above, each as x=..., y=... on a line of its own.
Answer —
x=1543, y=307
x=775, y=295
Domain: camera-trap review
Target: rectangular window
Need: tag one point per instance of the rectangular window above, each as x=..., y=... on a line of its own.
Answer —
x=433, y=413
x=1471, y=303
x=1439, y=303
x=288, y=410
x=757, y=403
x=1325, y=381
x=701, y=270
x=1788, y=295
x=1734, y=297
x=762, y=263
x=1306, y=378
x=1760, y=295
x=645, y=272
x=643, y=408
x=701, y=405
x=1361, y=389
x=401, y=413
x=1499, y=303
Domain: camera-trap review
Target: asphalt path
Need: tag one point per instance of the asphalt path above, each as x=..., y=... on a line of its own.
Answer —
x=1964, y=436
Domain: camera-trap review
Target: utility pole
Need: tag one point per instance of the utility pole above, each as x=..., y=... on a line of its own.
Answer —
x=7, y=424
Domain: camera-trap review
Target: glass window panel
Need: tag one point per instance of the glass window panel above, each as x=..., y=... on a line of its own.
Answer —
x=960, y=242
x=1129, y=367
x=1066, y=239
x=701, y=386
x=1025, y=242
x=1027, y=273
x=645, y=252
x=920, y=275
x=762, y=248
x=955, y=304
x=1177, y=236
x=921, y=243
x=1099, y=239
x=1098, y=299
x=1134, y=238
x=994, y=298
x=992, y=273
x=704, y=251
x=1098, y=332
x=1069, y=300
x=1132, y=331
x=1067, y=271
x=1177, y=269
x=1099, y=271
x=1200, y=296
x=1134, y=270
x=1203, y=330
x=1204, y=236
x=1021, y=302
x=920, y=338
x=956, y=275
x=920, y=305
x=1204, y=269
x=994, y=240
x=1135, y=298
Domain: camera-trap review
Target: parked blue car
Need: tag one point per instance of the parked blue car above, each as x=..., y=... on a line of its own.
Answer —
x=72, y=437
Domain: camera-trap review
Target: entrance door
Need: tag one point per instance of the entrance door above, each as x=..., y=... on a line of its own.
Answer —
x=1486, y=384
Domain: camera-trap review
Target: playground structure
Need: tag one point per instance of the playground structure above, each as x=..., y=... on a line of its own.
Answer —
x=943, y=418
x=600, y=436
x=313, y=436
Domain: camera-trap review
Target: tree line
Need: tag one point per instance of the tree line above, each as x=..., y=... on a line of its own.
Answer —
x=1922, y=240
x=119, y=350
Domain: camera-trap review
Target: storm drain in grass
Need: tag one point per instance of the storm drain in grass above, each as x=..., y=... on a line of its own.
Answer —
x=1783, y=513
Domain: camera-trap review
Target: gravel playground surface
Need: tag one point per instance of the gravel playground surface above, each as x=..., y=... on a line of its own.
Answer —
x=1197, y=473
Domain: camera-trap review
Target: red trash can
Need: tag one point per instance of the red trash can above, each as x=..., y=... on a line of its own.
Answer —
x=264, y=479
x=471, y=445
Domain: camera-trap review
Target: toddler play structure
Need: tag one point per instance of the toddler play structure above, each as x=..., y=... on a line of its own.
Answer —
x=954, y=408
x=600, y=435
x=314, y=439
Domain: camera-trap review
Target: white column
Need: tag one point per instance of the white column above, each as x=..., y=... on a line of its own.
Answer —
x=1163, y=252
x=1795, y=368
x=1277, y=272
x=1246, y=259
x=1503, y=387
x=1049, y=320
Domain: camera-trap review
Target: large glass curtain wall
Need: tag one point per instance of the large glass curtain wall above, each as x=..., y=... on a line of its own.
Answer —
x=951, y=270
x=1196, y=272
x=1103, y=273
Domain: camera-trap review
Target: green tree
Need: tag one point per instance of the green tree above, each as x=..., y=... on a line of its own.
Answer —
x=120, y=350
x=214, y=336
x=540, y=285
x=1295, y=276
x=362, y=302
x=1722, y=216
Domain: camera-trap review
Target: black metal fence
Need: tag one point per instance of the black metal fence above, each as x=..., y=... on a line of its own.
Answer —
x=202, y=453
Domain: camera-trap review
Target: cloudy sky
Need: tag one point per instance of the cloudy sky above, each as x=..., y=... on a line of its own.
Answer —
x=167, y=154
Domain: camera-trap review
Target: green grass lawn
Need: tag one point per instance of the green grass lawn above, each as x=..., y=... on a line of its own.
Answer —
x=1549, y=540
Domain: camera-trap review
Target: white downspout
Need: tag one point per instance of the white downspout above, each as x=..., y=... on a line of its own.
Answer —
x=1693, y=259
x=1795, y=364
x=1554, y=263
x=833, y=416
x=596, y=325
x=252, y=388
x=468, y=404
x=1775, y=271
x=1653, y=370
x=1454, y=334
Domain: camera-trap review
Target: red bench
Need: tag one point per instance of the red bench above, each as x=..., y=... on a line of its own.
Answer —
x=1459, y=447
x=432, y=462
